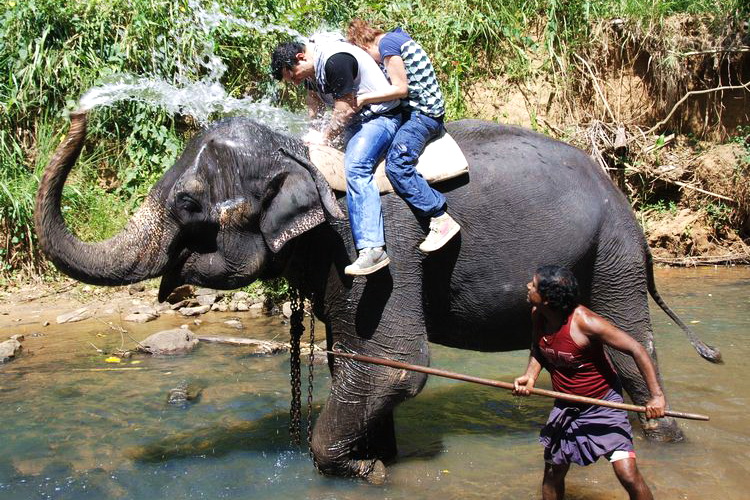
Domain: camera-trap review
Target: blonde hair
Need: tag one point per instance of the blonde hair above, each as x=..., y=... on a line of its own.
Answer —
x=362, y=34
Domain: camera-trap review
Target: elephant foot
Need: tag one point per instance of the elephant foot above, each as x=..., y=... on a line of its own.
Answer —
x=663, y=430
x=373, y=471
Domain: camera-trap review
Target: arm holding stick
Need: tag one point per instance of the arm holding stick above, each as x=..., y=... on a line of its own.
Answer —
x=598, y=329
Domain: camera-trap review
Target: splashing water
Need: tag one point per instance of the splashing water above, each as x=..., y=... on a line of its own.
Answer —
x=198, y=98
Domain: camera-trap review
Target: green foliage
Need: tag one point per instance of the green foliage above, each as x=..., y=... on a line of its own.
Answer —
x=53, y=51
x=660, y=206
x=465, y=41
x=719, y=216
x=275, y=290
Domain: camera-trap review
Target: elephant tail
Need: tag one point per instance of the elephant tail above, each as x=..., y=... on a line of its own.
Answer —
x=707, y=352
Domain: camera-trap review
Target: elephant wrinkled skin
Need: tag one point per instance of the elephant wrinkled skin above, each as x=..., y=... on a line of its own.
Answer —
x=243, y=203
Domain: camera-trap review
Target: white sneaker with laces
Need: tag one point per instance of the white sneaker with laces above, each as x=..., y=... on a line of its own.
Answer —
x=369, y=261
x=442, y=229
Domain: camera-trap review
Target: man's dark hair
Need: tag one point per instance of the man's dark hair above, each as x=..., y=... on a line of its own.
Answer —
x=558, y=286
x=285, y=57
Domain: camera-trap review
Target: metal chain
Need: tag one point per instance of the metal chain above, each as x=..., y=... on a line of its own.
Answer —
x=295, y=329
x=310, y=376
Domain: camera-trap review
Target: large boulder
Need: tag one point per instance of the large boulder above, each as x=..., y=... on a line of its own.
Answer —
x=169, y=342
x=194, y=311
x=8, y=350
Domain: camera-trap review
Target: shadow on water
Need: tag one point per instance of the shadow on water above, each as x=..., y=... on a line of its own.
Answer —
x=464, y=410
x=268, y=434
x=458, y=409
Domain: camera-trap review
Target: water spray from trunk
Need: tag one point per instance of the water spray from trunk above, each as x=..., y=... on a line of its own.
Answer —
x=186, y=93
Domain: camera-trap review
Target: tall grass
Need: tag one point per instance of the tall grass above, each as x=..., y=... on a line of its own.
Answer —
x=52, y=51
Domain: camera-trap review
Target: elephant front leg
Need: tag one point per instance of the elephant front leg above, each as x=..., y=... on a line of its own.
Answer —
x=354, y=434
x=349, y=440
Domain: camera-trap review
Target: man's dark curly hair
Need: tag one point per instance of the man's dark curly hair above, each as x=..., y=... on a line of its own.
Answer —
x=558, y=286
x=285, y=57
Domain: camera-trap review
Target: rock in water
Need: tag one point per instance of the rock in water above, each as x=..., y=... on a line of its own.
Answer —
x=175, y=341
x=8, y=350
x=183, y=393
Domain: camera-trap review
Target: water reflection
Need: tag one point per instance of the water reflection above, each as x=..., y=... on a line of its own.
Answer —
x=71, y=432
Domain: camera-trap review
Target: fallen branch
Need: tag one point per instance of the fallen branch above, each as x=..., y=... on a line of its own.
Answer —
x=55, y=291
x=694, y=188
x=735, y=258
x=745, y=86
x=551, y=126
x=710, y=51
x=264, y=346
x=682, y=184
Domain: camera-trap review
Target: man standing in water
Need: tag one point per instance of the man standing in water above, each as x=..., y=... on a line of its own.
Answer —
x=335, y=73
x=568, y=340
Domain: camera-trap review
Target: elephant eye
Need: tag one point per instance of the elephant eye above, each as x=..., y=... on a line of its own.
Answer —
x=187, y=203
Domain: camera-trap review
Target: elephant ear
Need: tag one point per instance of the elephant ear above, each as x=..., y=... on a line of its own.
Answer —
x=330, y=205
x=291, y=206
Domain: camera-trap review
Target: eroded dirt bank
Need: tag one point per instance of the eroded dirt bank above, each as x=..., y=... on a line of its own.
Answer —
x=665, y=110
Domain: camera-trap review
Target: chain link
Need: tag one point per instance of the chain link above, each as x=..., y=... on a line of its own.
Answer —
x=295, y=330
x=310, y=377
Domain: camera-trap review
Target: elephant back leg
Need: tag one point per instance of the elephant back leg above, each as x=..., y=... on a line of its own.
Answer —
x=619, y=293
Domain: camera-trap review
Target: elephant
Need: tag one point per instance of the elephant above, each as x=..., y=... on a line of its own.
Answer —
x=243, y=202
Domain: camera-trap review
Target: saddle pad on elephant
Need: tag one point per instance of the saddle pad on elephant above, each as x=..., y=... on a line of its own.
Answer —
x=442, y=159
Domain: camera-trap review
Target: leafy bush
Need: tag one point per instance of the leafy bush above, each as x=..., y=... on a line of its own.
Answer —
x=52, y=51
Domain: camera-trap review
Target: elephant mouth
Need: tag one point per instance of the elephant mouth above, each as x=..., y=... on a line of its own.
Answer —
x=211, y=270
x=172, y=278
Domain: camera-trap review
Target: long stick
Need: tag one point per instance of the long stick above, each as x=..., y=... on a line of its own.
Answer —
x=507, y=385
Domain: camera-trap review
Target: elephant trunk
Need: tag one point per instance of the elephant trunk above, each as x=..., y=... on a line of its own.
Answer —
x=139, y=252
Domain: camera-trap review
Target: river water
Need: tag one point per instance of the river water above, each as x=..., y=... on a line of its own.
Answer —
x=73, y=429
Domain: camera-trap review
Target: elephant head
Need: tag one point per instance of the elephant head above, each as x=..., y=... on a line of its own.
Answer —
x=220, y=217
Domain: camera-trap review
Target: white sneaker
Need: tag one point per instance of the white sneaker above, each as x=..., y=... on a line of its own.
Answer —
x=369, y=261
x=442, y=229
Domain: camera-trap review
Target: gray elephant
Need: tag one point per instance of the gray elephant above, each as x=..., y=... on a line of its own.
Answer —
x=243, y=203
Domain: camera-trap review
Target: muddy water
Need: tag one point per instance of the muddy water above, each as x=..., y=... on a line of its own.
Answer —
x=75, y=427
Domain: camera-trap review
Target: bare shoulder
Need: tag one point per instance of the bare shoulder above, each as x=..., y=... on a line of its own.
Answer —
x=587, y=322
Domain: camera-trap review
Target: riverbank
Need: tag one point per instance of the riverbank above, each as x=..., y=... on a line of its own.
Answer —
x=35, y=304
x=76, y=426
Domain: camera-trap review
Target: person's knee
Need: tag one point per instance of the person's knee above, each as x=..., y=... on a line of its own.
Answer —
x=359, y=169
x=628, y=474
x=400, y=155
x=399, y=162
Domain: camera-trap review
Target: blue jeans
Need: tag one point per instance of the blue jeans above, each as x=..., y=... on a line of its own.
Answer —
x=401, y=161
x=367, y=141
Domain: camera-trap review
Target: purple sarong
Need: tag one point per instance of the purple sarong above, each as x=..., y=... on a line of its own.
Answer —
x=582, y=433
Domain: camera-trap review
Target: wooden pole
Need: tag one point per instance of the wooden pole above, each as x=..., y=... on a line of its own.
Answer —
x=506, y=385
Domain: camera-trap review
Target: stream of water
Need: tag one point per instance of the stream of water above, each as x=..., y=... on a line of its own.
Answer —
x=71, y=429
x=203, y=98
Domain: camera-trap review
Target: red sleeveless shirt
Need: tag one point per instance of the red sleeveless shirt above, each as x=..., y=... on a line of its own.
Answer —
x=575, y=370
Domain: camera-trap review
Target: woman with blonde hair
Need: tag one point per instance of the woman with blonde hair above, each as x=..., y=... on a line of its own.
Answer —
x=412, y=79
